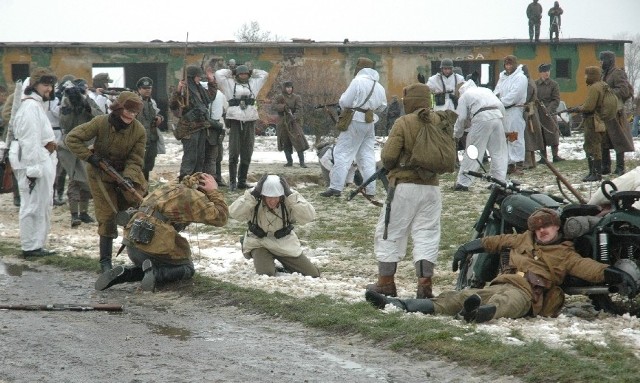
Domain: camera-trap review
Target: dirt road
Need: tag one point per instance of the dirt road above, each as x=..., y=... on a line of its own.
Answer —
x=168, y=336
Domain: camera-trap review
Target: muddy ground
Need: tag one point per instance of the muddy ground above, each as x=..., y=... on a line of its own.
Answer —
x=168, y=336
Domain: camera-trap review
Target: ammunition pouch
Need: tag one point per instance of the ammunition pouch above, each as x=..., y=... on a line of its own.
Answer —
x=256, y=230
x=242, y=101
x=283, y=232
x=141, y=231
x=439, y=99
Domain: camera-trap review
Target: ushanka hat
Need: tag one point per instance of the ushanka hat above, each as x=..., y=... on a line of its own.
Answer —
x=543, y=217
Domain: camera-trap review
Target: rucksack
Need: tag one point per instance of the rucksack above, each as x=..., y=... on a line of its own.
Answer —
x=609, y=108
x=435, y=147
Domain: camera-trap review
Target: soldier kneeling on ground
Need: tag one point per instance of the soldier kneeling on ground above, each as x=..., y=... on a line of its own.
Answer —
x=160, y=254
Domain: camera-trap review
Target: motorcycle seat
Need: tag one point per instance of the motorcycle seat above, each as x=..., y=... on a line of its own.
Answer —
x=579, y=210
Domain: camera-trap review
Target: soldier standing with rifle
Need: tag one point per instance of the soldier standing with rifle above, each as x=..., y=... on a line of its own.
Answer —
x=290, y=134
x=549, y=99
x=190, y=104
x=150, y=118
x=119, y=144
x=417, y=203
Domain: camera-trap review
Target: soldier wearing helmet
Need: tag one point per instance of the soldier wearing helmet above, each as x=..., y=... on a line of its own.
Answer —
x=271, y=208
x=241, y=89
x=443, y=86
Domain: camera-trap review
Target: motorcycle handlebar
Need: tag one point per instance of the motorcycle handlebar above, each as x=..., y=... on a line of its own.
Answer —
x=489, y=178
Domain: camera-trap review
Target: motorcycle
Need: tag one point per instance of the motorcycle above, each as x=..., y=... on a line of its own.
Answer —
x=612, y=237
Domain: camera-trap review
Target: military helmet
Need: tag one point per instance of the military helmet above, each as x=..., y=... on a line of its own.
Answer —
x=242, y=69
x=194, y=70
x=144, y=82
x=272, y=187
x=446, y=63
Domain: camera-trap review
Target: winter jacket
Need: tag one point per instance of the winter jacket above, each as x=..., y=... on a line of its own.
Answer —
x=472, y=100
x=297, y=209
x=511, y=89
x=551, y=262
x=234, y=91
x=358, y=91
x=534, y=12
x=447, y=85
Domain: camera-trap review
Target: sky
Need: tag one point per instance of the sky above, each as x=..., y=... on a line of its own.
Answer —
x=319, y=20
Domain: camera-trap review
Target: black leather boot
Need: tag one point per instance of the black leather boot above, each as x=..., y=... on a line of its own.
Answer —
x=378, y=300
x=233, y=171
x=596, y=174
x=606, y=162
x=218, y=176
x=619, y=164
x=106, y=249
x=301, y=158
x=289, y=157
x=588, y=176
x=242, y=176
x=473, y=311
x=117, y=275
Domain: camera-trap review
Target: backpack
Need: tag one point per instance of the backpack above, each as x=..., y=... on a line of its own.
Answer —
x=435, y=147
x=609, y=107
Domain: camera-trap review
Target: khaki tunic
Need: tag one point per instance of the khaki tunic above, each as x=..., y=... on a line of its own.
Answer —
x=399, y=147
x=549, y=95
x=551, y=262
x=290, y=134
x=618, y=135
x=125, y=151
x=591, y=111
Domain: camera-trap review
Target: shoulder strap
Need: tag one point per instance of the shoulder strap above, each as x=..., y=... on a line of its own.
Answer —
x=368, y=96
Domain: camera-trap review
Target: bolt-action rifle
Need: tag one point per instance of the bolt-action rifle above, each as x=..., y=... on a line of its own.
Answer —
x=379, y=174
x=560, y=179
x=185, y=88
x=65, y=307
x=120, y=180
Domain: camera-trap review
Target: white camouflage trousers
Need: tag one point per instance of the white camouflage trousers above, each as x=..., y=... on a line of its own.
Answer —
x=485, y=135
x=356, y=143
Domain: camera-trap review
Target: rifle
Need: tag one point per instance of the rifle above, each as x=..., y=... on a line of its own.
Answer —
x=326, y=109
x=65, y=307
x=560, y=178
x=573, y=109
x=120, y=180
x=379, y=174
x=326, y=105
x=387, y=212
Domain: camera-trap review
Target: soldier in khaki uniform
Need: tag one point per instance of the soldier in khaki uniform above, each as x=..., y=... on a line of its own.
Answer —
x=290, y=134
x=539, y=261
x=120, y=140
x=166, y=257
x=150, y=118
x=594, y=126
x=549, y=96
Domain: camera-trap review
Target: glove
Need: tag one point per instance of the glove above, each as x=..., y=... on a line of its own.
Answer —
x=421, y=79
x=285, y=186
x=625, y=282
x=460, y=255
x=257, y=190
x=94, y=160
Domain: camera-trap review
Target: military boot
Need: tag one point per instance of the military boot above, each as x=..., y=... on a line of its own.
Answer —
x=301, y=158
x=588, y=176
x=242, y=177
x=149, y=280
x=106, y=248
x=543, y=155
x=473, y=311
x=386, y=285
x=218, y=177
x=606, y=162
x=554, y=153
x=74, y=208
x=424, y=288
x=233, y=170
x=596, y=175
x=84, y=215
x=289, y=157
x=619, y=164
x=117, y=275
x=379, y=301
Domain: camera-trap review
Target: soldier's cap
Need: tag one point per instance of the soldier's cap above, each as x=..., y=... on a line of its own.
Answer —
x=543, y=217
x=242, y=69
x=287, y=84
x=194, y=70
x=544, y=68
x=144, y=82
x=511, y=59
x=272, y=187
x=101, y=79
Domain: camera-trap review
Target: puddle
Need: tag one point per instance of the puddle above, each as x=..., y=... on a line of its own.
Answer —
x=11, y=269
x=171, y=332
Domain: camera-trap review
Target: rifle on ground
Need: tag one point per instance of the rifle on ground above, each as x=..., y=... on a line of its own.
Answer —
x=379, y=174
x=560, y=179
x=65, y=307
x=120, y=180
